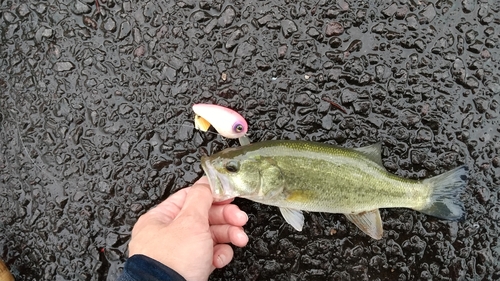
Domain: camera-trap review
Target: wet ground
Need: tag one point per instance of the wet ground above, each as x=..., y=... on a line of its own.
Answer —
x=96, y=126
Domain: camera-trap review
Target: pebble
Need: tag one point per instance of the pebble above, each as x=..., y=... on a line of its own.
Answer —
x=496, y=161
x=264, y=19
x=335, y=42
x=233, y=39
x=402, y=12
x=354, y=46
x=245, y=49
x=390, y=11
x=409, y=118
x=169, y=73
x=494, y=87
x=80, y=8
x=472, y=82
x=420, y=45
x=470, y=36
x=200, y=16
x=9, y=17
x=127, y=6
x=260, y=247
x=468, y=5
x=334, y=29
x=313, y=32
x=104, y=187
x=288, y=28
x=227, y=16
x=424, y=135
x=125, y=109
x=475, y=47
x=495, y=213
x=175, y=62
x=23, y=10
x=79, y=195
x=348, y=96
x=90, y=22
x=47, y=32
x=109, y=24
x=63, y=66
x=104, y=215
x=327, y=122
x=136, y=208
x=149, y=9
x=303, y=99
x=362, y=107
x=261, y=65
x=185, y=132
x=140, y=51
x=427, y=14
x=418, y=157
x=282, y=51
x=125, y=29
x=378, y=28
x=458, y=69
x=282, y=121
x=412, y=22
x=125, y=148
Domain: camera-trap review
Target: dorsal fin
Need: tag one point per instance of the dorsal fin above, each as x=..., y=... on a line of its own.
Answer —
x=372, y=152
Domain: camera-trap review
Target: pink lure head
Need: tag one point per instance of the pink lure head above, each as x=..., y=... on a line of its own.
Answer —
x=227, y=122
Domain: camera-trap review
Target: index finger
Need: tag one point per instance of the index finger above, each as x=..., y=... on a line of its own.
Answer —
x=198, y=199
x=168, y=210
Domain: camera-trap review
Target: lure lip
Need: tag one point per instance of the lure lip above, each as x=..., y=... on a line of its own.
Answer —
x=227, y=122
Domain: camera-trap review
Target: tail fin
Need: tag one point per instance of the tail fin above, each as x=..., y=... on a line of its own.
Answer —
x=445, y=201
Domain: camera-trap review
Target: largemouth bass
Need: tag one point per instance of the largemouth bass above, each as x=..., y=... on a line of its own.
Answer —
x=301, y=176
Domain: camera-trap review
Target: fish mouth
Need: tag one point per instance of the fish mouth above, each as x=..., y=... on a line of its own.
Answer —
x=219, y=183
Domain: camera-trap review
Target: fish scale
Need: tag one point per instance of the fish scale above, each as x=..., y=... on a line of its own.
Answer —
x=352, y=193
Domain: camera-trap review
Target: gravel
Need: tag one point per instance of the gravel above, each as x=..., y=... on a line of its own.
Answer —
x=97, y=128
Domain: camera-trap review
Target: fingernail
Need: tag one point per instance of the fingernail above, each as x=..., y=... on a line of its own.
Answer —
x=243, y=215
x=241, y=235
x=243, y=239
x=221, y=259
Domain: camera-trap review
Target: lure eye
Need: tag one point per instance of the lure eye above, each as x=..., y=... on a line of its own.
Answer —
x=232, y=166
x=238, y=128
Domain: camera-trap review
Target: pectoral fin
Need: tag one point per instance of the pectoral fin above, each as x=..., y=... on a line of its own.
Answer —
x=369, y=222
x=293, y=217
x=201, y=124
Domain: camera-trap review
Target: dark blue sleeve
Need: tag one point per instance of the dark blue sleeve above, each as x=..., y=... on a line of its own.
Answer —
x=143, y=268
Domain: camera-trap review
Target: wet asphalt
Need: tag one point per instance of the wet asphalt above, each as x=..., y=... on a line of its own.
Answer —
x=96, y=126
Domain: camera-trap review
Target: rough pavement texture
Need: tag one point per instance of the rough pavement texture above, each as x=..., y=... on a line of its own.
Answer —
x=96, y=126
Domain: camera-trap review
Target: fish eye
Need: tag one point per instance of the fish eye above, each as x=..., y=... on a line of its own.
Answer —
x=238, y=128
x=232, y=166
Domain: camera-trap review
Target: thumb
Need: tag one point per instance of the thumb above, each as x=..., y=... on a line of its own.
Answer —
x=198, y=199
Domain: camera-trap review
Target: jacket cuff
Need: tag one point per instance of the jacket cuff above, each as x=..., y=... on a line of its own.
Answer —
x=141, y=267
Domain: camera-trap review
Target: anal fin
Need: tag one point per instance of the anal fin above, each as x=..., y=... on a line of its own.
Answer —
x=369, y=222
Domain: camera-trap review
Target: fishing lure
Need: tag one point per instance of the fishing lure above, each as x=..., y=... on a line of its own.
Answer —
x=227, y=122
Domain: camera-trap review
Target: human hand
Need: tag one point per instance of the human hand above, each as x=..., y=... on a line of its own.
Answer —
x=189, y=234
